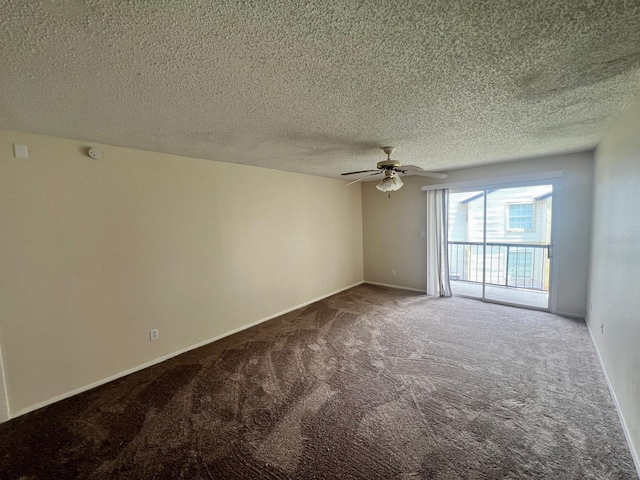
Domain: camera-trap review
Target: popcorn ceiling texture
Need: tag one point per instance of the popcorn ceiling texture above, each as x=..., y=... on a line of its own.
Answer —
x=316, y=87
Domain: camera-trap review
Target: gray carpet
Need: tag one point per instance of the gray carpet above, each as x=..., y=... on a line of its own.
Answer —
x=370, y=383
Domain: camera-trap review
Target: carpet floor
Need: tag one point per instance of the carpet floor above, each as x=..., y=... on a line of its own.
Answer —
x=370, y=383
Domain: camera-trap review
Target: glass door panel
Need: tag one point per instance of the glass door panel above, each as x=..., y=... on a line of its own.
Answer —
x=466, y=242
x=518, y=236
x=499, y=244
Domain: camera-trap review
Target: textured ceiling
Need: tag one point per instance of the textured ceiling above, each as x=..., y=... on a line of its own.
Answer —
x=316, y=87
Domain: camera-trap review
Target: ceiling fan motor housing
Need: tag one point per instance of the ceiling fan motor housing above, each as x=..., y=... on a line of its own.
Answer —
x=391, y=168
x=388, y=164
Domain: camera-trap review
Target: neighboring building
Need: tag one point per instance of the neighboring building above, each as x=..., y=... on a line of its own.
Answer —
x=518, y=236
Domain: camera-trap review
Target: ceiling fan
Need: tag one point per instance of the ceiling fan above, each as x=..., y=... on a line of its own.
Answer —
x=391, y=181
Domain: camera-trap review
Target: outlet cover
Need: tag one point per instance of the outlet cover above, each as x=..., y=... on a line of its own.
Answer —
x=153, y=334
x=20, y=151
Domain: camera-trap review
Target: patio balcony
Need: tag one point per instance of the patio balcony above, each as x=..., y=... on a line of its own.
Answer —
x=516, y=273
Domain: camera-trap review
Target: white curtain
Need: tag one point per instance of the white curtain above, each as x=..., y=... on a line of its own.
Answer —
x=437, y=244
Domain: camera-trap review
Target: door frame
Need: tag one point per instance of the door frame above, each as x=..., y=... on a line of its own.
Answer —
x=553, y=178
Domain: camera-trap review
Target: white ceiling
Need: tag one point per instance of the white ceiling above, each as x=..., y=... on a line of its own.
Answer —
x=316, y=87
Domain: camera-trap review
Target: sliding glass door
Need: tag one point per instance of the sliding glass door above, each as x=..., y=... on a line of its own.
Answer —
x=466, y=242
x=500, y=244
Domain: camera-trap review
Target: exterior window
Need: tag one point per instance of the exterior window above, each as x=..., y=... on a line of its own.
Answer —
x=520, y=217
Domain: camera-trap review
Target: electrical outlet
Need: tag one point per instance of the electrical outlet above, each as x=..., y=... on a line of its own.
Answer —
x=393, y=272
x=20, y=151
x=602, y=328
x=153, y=334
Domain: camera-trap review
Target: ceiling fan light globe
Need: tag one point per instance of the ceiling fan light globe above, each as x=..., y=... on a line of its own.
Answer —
x=390, y=183
x=382, y=186
x=396, y=183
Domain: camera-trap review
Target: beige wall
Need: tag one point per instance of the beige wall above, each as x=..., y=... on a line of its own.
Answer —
x=94, y=253
x=614, y=291
x=392, y=226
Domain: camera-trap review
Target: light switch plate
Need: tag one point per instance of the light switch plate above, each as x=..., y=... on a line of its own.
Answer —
x=20, y=151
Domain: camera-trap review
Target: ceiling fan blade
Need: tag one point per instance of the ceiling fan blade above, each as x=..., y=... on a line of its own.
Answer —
x=362, y=178
x=361, y=171
x=427, y=174
x=412, y=167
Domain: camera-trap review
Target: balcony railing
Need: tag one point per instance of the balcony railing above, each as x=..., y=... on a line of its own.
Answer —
x=517, y=265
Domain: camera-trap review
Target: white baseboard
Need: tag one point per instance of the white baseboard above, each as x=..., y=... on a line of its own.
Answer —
x=634, y=453
x=4, y=396
x=570, y=315
x=168, y=356
x=399, y=287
